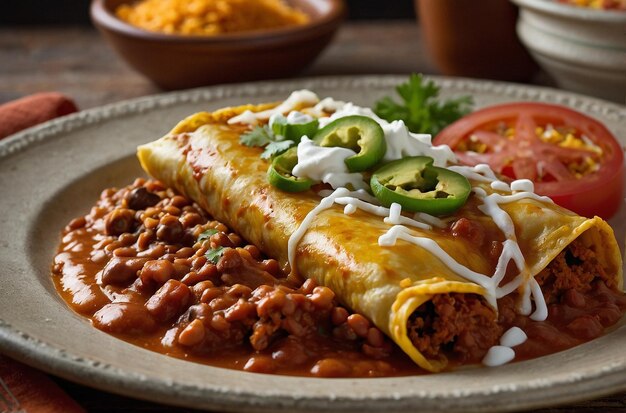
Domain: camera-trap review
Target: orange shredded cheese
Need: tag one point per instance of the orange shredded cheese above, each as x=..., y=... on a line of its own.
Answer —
x=210, y=17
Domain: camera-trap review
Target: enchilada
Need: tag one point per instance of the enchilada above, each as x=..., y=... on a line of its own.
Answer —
x=440, y=287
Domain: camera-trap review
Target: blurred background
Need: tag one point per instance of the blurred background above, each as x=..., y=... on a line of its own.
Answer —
x=48, y=45
x=32, y=12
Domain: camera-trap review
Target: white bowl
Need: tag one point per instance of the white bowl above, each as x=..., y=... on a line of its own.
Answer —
x=583, y=49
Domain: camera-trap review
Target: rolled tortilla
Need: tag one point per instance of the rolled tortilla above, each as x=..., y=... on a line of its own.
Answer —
x=203, y=159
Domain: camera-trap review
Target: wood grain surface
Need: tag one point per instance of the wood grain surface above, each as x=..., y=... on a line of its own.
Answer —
x=76, y=61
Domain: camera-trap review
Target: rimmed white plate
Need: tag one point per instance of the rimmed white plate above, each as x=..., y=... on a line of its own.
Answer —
x=54, y=172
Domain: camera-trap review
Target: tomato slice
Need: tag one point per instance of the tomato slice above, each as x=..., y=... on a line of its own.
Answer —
x=524, y=154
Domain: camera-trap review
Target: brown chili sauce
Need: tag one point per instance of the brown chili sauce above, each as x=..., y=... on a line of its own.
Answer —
x=152, y=268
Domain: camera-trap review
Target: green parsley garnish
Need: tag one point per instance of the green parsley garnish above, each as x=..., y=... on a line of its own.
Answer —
x=262, y=136
x=214, y=254
x=259, y=136
x=276, y=148
x=205, y=235
x=421, y=111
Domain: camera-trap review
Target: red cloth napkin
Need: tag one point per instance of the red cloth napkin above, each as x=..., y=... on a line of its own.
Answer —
x=32, y=110
x=35, y=391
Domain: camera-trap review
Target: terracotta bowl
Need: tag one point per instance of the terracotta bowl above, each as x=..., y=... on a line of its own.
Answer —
x=178, y=62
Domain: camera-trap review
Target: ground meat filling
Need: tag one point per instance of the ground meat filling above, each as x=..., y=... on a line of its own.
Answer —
x=582, y=300
x=575, y=268
x=462, y=326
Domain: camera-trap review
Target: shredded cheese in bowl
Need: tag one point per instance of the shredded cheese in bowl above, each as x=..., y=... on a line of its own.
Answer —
x=210, y=17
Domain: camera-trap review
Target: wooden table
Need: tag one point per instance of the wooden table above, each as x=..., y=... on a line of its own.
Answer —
x=77, y=62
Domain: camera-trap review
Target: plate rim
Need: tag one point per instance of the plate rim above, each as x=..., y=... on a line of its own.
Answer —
x=60, y=362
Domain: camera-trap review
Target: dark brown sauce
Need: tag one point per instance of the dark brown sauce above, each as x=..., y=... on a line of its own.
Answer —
x=102, y=270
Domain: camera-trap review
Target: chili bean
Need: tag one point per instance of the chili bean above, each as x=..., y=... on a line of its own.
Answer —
x=208, y=271
x=220, y=239
x=179, y=201
x=76, y=223
x=169, y=300
x=201, y=286
x=192, y=278
x=192, y=334
x=141, y=198
x=144, y=240
x=230, y=259
x=172, y=210
x=127, y=239
x=170, y=229
x=359, y=324
x=241, y=310
x=154, y=252
x=121, y=270
x=308, y=286
x=124, y=252
x=186, y=262
x=331, y=367
x=375, y=337
x=235, y=239
x=218, y=226
x=119, y=221
x=339, y=315
x=219, y=323
x=240, y=290
x=138, y=182
x=322, y=298
x=150, y=223
x=181, y=268
x=271, y=266
x=223, y=302
x=198, y=262
x=201, y=311
x=273, y=301
x=154, y=186
x=157, y=272
x=185, y=252
x=126, y=318
x=191, y=219
x=260, y=364
x=253, y=251
x=112, y=246
x=209, y=294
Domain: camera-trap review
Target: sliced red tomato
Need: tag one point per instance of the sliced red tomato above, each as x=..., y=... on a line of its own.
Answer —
x=522, y=153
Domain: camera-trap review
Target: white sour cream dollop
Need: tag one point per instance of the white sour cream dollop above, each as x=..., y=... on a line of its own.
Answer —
x=326, y=164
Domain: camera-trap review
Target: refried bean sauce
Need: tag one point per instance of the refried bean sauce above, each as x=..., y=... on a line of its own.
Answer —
x=152, y=268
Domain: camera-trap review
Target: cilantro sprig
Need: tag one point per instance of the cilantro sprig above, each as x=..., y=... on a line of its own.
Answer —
x=420, y=109
x=215, y=254
x=262, y=136
x=205, y=235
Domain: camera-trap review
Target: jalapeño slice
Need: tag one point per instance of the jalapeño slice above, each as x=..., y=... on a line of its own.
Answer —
x=359, y=133
x=279, y=173
x=294, y=131
x=419, y=186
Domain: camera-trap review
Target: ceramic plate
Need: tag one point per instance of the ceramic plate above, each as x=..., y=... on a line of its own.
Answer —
x=54, y=172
